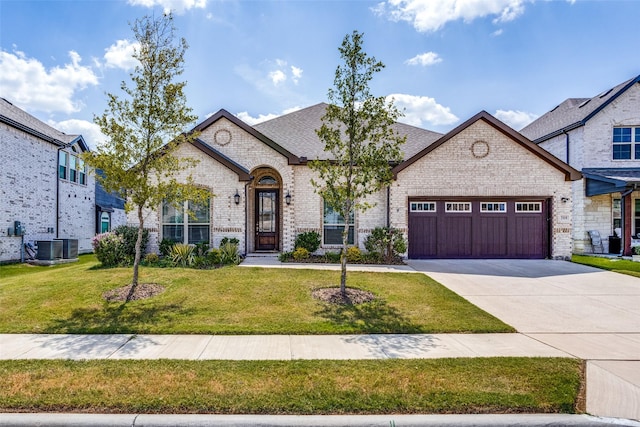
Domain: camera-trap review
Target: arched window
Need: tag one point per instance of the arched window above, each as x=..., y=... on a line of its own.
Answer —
x=267, y=180
x=105, y=222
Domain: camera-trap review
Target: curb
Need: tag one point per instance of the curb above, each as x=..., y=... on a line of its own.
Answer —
x=192, y=420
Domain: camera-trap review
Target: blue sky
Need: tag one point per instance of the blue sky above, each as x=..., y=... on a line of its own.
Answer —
x=445, y=60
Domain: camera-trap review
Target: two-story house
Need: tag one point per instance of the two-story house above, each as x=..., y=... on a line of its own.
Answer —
x=600, y=136
x=46, y=187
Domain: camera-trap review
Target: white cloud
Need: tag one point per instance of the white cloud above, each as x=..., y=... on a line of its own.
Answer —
x=28, y=84
x=120, y=55
x=430, y=15
x=516, y=119
x=296, y=73
x=246, y=117
x=177, y=6
x=277, y=77
x=497, y=33
x=89, y=131
x=424, y=59
x=422, y=110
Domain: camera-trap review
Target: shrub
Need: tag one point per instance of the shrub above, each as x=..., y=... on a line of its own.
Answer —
x=232, y=240
x=285, y=256
x=151, y=258
x=229, y=253
x=201, y=249
x=635, y=250
x=129, y=236
x=332, y=256
x=165, y=247
x=354, y=254
x=182, y=255
x=300, y=253
x=309, y=240
x=213, y=257
x=388, y=243
x=109, y=249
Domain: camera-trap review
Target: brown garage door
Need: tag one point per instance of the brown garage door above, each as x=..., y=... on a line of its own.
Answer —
x=478, y=228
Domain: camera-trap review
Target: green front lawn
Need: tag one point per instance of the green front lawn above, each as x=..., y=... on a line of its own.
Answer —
x=612, y=264
x=231, y=300
x=482, y=385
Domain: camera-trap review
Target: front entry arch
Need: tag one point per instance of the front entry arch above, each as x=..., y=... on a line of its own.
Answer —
x=266, y=211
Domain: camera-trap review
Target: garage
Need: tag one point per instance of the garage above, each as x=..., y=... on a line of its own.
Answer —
x=478, y=228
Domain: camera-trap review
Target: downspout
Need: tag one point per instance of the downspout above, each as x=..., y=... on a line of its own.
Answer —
x=567, y=140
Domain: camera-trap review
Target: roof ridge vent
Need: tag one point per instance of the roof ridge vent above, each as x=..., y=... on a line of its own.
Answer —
x=584, y=103
x=605, y=93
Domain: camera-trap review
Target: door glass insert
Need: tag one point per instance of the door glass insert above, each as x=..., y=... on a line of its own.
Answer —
x=267, y=212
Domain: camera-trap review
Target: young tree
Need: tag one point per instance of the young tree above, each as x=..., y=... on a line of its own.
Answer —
x=357, y=130
x=145, y=127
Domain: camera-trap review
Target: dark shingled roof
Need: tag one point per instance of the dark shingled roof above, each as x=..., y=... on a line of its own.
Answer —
x=573, y=113
x=15, y=117
x=296, y=132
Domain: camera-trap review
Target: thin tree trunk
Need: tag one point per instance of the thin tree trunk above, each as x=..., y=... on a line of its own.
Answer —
x=136, y=259
x=343, y=260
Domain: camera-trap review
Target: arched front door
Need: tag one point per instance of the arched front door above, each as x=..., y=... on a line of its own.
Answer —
x=267, y=212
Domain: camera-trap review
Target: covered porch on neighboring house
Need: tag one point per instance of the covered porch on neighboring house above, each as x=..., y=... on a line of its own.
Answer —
x=624, y=181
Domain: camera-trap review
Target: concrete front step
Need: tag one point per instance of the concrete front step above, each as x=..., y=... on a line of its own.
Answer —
x=613, y=388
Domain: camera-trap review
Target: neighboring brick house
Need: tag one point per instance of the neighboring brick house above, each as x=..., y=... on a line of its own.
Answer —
x=480, y=191
x=599, y=136
x=43, y=184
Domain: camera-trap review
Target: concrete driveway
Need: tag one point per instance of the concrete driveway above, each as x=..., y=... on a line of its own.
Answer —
x=589, y=313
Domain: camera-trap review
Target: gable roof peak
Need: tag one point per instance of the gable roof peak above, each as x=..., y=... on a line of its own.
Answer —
x=573, y=113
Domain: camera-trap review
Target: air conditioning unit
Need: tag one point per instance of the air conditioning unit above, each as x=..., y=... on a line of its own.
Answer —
x=49, y=250
x=69, y=248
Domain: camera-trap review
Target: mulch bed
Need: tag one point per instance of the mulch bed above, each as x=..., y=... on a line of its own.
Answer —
x=334, y=296
x=142, y=291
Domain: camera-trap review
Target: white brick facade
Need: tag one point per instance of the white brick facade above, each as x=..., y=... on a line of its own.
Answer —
x=508, y=170
x=590, y=146
x=30, y=192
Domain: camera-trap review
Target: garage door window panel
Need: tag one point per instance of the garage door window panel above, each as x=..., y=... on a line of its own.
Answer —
x=457, y=207
x=493, y=207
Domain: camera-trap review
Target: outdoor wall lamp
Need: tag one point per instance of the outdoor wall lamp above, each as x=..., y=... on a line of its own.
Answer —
x=236, y=198
x=287, y=198
x=564, y=199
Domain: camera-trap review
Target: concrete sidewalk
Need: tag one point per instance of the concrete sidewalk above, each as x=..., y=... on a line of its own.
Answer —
x=271, y=347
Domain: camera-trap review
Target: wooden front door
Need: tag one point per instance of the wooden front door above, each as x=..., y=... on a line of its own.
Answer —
x=267, y=237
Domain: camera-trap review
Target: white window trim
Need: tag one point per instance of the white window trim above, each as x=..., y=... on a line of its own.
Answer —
x=466, y=207
x=502, y=205
x=420, y=206
x=186, y=221
x=519, y=206
x=345, y=224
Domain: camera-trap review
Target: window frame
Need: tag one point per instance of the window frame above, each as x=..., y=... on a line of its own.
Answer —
x=466, y=207
x=73, y=168
x=630, y=143
x=339, y=224
x=519, y=205
x=63, y=169
x=423, y=207
x=185, y=223
x=502, y=207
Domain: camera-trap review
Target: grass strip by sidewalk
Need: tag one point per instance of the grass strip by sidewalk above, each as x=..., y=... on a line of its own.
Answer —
x=231, y=300
x=617, y=265
x=479, y=385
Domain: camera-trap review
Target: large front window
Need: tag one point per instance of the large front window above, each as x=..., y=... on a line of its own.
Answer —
x=626, y=143
x=333, y=226
x=188, y=223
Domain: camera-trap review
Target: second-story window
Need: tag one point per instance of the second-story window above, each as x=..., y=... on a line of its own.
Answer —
x=63, y=164
x=626, y=143
x=73, y=173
